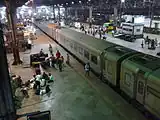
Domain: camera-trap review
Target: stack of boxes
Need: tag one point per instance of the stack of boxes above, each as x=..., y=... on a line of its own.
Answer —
x=19, y=38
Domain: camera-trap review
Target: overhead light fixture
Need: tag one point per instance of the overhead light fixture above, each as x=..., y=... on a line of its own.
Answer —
x=122, y=1
x=66, y=3
x=72, y=2
x=80, y=2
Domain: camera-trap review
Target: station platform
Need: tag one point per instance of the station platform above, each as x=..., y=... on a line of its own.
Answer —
x=132, y=45
x=77, y=97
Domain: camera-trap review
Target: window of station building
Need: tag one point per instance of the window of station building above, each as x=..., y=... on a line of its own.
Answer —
x=86, y=54
x=80, y=50
x=127, y=29
x=94, y=59
x=109, y=68
x=127, y=79
x=140, y=87
x=138, y=30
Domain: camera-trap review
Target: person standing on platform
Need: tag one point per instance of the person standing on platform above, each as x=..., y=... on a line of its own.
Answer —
x=68, y=59
x=87, y=69
x=142, y=45
x=41, y=52
x=156, y=42
x=58, y=54
x=37, y=71
x=62, y=59
x=85, y=32
x=147, y=40
x=112, y=33
x=50, y=49
x=100, y=34
x=60, y=64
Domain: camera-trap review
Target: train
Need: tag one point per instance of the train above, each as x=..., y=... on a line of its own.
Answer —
x=135, y=74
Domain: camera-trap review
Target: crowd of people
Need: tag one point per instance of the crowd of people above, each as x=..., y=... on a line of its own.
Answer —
x=96, y=30
x=93, y=31
x=56, y=61
x=41, y=82
x=152, y=43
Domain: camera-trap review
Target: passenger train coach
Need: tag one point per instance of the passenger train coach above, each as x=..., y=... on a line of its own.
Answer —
x=135, y=74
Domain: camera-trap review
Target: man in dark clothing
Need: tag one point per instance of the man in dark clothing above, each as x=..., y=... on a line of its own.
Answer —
x=60, y=61
x=37, y=71
x=45, y=76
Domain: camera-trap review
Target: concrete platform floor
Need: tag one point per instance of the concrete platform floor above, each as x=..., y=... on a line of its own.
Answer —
x=74, y=96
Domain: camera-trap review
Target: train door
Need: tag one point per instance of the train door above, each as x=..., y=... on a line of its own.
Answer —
x=109, y=70
x=140, y=88
x=127, y=82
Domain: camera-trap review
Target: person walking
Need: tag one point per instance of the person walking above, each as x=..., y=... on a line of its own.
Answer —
x=50, y=49
x=68, y=59
x=87, y=69
x=58, y=54
x=60, y=62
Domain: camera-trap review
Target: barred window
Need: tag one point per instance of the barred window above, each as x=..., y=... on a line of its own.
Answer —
x=80, y=50
x=127, y=79
x=86, y=54
x=94, y=59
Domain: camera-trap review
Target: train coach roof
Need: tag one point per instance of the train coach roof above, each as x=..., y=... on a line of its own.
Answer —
x=147, y=61
x=119, y=50
x=86, y=39
x=155, y=77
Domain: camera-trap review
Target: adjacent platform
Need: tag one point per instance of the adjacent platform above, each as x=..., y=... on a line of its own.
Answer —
x=133, y=45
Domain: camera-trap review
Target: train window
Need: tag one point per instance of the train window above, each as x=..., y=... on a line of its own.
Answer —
x=127, y=79
x=109, y=68
x=64, y=41
x=153, y=91
x=140, y=87
x=80, y=50
x=94, y=59
x=86, y=54
x=71, y=45
x=75, y=47
x=138, y=30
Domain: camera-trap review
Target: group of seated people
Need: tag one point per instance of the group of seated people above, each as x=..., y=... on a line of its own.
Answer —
x=40, y=82
x=19, y=85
